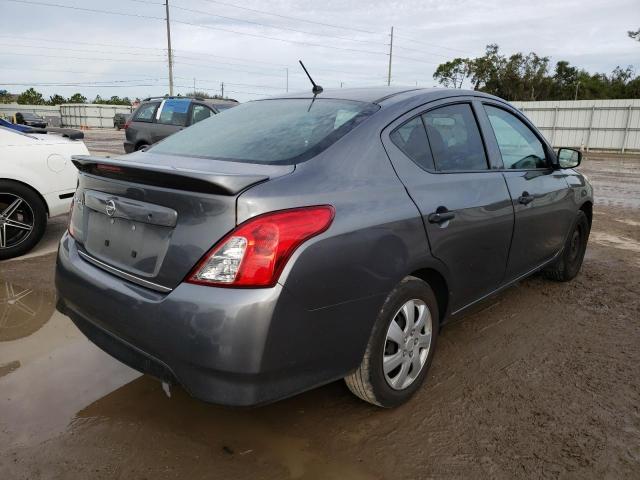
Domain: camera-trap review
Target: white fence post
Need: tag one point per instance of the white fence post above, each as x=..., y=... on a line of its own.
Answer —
x=626, y=130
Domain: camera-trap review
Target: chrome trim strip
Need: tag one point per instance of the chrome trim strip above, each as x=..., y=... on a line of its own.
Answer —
x=125, y=275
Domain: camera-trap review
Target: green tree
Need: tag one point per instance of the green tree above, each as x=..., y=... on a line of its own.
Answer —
x=452, y=74
x=31, y=97
x=77, y=98
x=5, y=96
x=56, y=100
x=526, y=77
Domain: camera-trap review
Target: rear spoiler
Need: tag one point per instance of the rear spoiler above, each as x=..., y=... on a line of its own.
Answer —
x=66, y=132
x=166, y=176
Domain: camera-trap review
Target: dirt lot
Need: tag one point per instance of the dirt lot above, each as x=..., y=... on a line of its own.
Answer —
x=542, y=382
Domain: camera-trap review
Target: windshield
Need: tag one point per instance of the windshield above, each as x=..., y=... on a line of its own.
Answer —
x=282, y=131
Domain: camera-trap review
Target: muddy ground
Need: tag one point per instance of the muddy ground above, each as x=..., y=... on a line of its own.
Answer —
x=542, y=382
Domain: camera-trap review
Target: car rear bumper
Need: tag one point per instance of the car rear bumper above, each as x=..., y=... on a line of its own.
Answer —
x=129, y=147
x=229, y=346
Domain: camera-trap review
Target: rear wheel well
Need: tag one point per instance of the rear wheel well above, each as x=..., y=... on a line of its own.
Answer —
x=587, y=208
x=439, y=286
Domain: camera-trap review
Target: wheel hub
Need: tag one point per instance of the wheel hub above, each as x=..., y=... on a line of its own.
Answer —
x=407, y=344
x=16, y=220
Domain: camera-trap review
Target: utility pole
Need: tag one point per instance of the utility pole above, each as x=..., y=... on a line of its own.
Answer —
x=169, y=52
x=194, y=85
x=577, y=85
x=390, y=57
x=222, y=89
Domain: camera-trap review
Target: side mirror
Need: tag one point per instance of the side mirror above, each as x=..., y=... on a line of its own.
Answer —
x=569, y=157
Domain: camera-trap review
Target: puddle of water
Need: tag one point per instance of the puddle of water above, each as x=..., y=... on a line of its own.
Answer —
x=56, y=385
x=48, y=370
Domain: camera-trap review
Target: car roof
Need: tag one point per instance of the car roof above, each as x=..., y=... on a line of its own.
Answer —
x=385, y=95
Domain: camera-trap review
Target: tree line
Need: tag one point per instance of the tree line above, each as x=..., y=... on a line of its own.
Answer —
x=528, y=77
x=32, y=97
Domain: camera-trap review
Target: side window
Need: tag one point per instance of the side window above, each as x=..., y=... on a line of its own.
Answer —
x=454, y=137
x=174, y=112
x=199, y=113
x=145, y=112
x=411, y=138
x=519, y=147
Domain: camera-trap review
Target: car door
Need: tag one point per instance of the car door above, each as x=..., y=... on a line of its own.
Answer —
x=539, y=192
x=199, y=112
x=439, y=155
x=171, y=117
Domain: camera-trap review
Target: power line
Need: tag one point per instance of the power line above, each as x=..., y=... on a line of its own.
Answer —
x=200, y=12
x=432, y=44
x=21, y=45
x=93, y=59
x=297, y=19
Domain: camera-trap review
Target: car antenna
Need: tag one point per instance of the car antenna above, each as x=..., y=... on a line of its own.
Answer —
x=316, y=88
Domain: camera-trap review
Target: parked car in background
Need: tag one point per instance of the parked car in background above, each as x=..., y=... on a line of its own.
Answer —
x=37, y=181
x=30, y=119
x=298, y=240
x=120, y=120
x=157, y=118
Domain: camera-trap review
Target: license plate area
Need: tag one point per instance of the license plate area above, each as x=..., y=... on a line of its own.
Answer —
x=132, y=246
x=131, y=235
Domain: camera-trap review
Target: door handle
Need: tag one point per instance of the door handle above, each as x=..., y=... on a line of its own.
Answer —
x=441, y=215
x=525, y=198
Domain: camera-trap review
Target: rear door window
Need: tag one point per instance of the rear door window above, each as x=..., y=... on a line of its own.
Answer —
x=454, y=138
x=199, y=113
x=174, y=111
x=519, y=146
x=411, y=138
x=146, y=112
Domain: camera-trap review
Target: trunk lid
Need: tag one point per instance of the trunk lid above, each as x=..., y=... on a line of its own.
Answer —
x=149, y=218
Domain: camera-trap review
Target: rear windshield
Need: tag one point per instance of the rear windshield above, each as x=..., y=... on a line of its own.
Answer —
x=223, y=106
x=282, y=131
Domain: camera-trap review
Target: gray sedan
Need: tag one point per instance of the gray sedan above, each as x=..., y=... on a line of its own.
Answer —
x=299, y=240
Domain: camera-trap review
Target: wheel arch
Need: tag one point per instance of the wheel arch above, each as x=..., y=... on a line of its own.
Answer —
x=587, y=208
x=440, y=287
x=30, y=187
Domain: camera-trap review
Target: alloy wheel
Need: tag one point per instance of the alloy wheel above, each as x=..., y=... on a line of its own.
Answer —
x=16, y=220
x=407, y=344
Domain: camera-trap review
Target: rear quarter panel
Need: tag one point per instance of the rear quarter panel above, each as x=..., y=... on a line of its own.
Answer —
x=45, y=167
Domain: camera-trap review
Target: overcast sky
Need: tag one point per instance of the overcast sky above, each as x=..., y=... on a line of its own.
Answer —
x=250, y=51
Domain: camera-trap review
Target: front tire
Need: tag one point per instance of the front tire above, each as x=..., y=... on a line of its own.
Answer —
x=23, y=219
x=401, y=346
x=568, y=264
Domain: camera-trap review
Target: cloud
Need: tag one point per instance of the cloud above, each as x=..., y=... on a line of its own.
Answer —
x=251, y=52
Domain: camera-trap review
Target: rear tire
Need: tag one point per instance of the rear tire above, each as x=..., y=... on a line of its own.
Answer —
x=568, y=264
x=141, y=146
x=23, y=219
x=379, y=378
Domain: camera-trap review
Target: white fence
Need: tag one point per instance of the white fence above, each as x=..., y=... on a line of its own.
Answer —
x=90, y=115
x=587, y=124
x=77, y=115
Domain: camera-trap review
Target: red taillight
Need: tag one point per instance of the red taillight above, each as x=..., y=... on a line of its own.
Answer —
x=126, y=124
x=255, y=252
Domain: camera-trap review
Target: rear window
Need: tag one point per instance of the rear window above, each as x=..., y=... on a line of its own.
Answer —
x=223, y=106
x=145, y=112
x=281, y=131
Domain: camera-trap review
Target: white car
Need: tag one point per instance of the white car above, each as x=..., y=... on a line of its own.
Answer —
x=37, y=181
